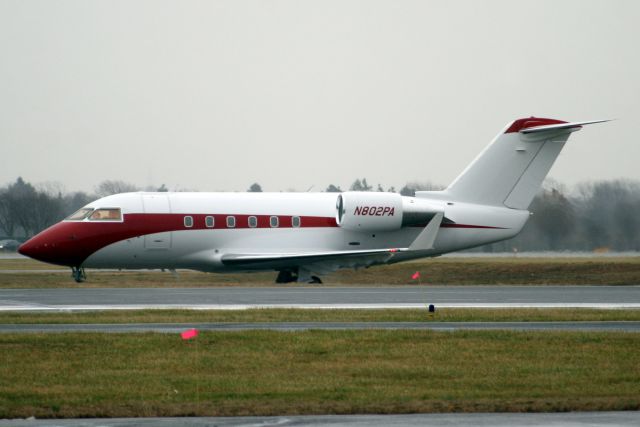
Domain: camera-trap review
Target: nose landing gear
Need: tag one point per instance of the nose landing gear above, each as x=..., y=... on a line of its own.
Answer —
x=78, y=274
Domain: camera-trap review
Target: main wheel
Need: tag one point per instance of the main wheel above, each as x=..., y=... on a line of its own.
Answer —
x=286, y=276
x=78, y=274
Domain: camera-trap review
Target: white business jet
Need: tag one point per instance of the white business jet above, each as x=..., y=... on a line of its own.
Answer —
x=306, y=235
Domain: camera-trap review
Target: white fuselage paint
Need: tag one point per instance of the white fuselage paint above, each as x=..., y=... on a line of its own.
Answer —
x=202, y=249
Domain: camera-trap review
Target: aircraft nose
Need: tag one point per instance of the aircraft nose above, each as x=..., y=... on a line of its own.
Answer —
x=38, y=247
x=65, y=243
x=52, y=246
x=27, y=248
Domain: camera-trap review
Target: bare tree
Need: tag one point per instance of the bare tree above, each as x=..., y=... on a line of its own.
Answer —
x=7, y=220
x=109, y=187
x=360, y=185
x=554, y=218
x=20, y=202
x=74, y=201
x=609, y=214
x=50, y=188
x=255, y=188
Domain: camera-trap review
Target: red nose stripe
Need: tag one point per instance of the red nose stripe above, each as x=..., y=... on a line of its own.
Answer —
x=70, y=243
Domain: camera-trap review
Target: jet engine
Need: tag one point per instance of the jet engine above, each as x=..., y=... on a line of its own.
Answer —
x=371, y=211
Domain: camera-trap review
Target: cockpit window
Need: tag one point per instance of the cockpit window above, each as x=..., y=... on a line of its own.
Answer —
x=80, y=214
x=106, y=214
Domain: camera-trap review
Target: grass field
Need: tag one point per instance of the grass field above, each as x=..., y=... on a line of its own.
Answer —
x=323, y=372
x=301, y=315
x=263, y=372
x=458, y=271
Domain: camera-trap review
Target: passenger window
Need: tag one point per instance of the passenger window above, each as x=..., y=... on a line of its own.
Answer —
x=295, y=221
x=273, y=221
x=80, y=214
x=253, y=222
x=106, y=214
x=188, y=221
x=208, y=221
x=231, y=221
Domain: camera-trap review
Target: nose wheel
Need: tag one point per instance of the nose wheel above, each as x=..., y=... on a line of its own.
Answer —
x=78, y=274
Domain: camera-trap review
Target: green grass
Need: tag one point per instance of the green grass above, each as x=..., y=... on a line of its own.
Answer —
x=312, y=372
x=455, y=271
x=301, y=315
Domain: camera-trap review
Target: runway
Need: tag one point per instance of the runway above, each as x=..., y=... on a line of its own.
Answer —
x=611, y=326
x=378, y=297
x=569, y=419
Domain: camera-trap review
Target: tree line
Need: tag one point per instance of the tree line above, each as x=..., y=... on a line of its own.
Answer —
x=598, y=216
x=25, y=209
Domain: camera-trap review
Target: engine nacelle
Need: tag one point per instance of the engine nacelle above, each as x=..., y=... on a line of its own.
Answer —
x=376, y=211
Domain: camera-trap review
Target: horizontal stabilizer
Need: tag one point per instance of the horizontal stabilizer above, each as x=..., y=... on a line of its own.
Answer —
x=559, y=126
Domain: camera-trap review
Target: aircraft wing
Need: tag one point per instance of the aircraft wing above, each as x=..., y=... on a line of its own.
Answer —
x=339, y=259
x=324, y=262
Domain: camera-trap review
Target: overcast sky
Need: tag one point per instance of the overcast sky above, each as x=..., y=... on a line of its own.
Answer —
x=216, y=95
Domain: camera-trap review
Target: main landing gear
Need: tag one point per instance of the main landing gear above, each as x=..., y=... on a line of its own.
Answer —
x=286, y=276
x=78, y=274
x=289, y=276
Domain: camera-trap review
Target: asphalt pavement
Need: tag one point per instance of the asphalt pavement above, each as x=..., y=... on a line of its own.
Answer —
x=566, y=419
x=320, y=297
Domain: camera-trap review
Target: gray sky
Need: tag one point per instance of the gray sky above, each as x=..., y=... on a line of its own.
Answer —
x=215, y=95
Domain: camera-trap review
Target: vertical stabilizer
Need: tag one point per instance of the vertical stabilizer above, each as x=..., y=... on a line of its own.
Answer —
x=511, y=169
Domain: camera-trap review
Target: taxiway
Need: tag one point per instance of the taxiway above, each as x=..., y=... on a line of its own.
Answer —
x=229, y=298
x=568, y=419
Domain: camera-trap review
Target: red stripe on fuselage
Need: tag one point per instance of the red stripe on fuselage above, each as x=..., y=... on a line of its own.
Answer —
x=71, y=242
x=220, y=221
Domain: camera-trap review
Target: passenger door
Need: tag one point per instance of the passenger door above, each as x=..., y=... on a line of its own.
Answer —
x=157, y=204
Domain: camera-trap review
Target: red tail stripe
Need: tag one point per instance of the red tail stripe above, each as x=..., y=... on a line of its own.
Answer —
x=530, y=122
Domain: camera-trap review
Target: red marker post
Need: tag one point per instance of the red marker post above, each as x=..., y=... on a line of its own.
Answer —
x=187, y=335
x=416, y=276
